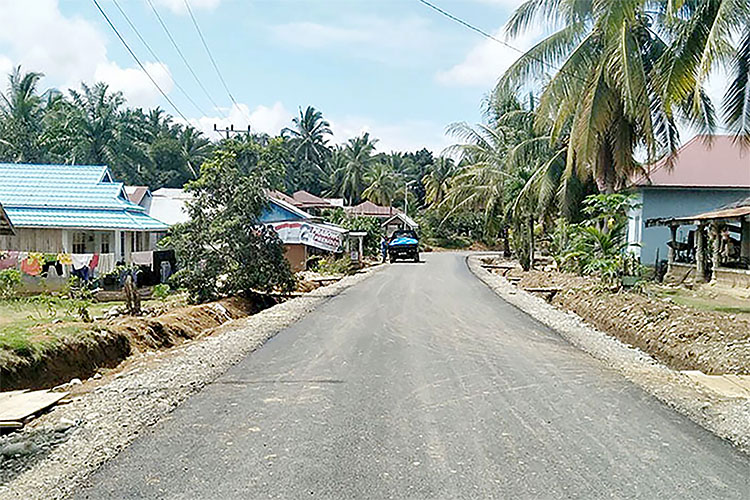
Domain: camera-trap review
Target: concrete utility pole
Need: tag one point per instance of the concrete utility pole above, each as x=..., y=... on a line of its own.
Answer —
x=231, y=130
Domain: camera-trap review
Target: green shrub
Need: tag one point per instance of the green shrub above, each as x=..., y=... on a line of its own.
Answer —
x=10, y=281
x=161, y=291
x=334, y=266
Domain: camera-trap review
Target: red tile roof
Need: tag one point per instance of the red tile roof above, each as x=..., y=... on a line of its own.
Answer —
x=283, y=197
x=136, y=193
x=721, y=163
x=368, y=208
x=303, y=199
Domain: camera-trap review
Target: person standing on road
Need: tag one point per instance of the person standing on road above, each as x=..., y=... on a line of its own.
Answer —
x=383, y=247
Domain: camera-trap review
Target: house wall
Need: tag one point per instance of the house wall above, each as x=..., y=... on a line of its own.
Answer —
x=297, y=256
x=675, y=202
x=34, y=240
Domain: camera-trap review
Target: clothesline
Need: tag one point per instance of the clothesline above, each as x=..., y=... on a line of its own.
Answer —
x=37, y=263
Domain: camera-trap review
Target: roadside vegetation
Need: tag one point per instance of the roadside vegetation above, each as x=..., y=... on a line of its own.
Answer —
x=565, y=128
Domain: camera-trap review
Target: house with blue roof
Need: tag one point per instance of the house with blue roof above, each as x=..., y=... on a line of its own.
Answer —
x=75, y=209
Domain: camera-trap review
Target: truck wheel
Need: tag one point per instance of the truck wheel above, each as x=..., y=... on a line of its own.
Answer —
x=393, y=259
x=416, y=257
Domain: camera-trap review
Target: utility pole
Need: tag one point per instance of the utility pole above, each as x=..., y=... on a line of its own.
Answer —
x=229, y=131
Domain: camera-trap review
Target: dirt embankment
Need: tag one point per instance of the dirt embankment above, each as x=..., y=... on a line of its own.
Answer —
x=105, y=344
x=680, y=336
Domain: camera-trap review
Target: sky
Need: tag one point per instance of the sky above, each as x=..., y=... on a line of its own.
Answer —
x=393, y=68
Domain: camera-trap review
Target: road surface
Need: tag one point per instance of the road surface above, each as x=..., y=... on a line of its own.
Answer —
x=421, y=383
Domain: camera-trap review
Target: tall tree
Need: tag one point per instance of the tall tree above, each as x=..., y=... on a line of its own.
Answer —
x=381, y=184
x=436, y=181
x=611, y=88
x=309, y=144
x=357, y=156
x=21, y=118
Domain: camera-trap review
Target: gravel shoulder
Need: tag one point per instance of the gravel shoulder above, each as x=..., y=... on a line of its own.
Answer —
x=54, y=455
x=728, y=418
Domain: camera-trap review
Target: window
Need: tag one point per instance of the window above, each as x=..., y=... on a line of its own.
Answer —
x=79, y=242
x=105, y=243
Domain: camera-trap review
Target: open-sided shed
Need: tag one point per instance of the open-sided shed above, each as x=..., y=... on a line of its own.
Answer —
x=719, y=247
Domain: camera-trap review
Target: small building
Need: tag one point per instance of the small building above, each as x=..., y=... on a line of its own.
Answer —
x=303, y=235
x=370, y=209
x=718, y=249
x=703, y=177
x=140, y=195
x=6, y=227
x=73, y=209
x=310, y=203
x=399, y=221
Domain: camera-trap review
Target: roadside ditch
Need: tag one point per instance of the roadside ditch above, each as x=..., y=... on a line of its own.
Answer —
x=645, y=351
x=54, y=454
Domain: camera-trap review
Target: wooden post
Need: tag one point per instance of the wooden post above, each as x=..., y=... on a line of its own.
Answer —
x=745, y=239
x=716, y=254
x=700, y=254
x=672, y=252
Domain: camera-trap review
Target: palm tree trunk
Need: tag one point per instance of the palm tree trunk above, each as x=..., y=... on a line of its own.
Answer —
x=606, y=180
x=531, y=242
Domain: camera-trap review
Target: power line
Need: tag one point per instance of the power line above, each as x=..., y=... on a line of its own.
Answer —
x=184, y=59
x=151, y=51
x=210, y=56
x=495, y=39
x=138, y=61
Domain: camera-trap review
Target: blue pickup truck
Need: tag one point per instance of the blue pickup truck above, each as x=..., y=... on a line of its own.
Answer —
x=404, y=244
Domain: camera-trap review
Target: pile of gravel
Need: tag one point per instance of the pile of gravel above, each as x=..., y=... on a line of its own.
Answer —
x=54, y=455
x=728, y=418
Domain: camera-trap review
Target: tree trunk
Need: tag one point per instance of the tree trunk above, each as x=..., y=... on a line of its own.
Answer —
x=606, y=178
x=531, y=242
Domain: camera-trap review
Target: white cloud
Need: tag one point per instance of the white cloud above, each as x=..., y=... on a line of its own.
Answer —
x=487, y=60
x=134, y=83
x=268, y=119
x=69, y=50
x=408, y=135
x=178, y=6
x=375, y=38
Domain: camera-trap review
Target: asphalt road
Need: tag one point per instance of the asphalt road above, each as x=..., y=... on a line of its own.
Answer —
x=421, y=383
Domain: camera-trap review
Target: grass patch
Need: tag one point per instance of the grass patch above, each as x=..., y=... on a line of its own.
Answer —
x=732, y=310
x=31, y=326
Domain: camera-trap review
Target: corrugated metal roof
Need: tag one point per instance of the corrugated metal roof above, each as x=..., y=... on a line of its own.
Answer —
x=63, y=186
x=81, y=196
x=71, y=218
x=721, y=163
x=303, y=199
x=368, y=208
x=136, y=193
x=6, y=228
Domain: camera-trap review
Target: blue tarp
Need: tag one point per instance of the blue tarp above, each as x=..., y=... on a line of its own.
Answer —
x=402, y=241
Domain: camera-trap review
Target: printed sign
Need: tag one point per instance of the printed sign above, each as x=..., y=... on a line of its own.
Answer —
x=309, y=234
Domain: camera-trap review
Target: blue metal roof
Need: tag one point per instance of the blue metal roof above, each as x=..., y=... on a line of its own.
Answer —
x=80, y=196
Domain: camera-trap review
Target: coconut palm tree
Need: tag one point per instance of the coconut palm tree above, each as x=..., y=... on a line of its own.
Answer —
x=21, y=117
x=737, y=98
x=382, y=184
x=195, y=147
x=611, y=89
x=309, y=139
x=357, y=158
x=437, y=180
